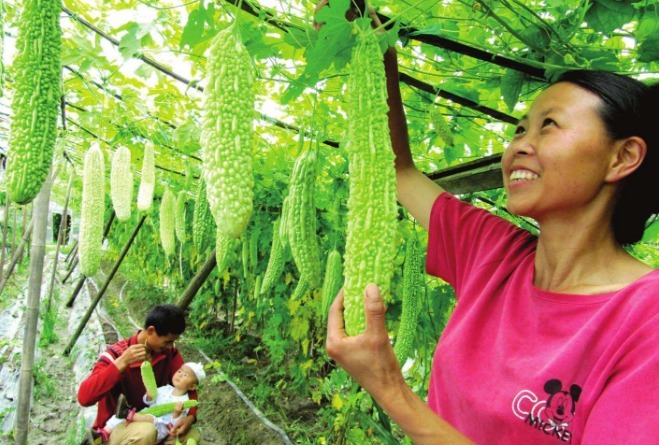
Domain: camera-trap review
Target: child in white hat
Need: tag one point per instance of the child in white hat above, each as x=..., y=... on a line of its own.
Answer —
x=186, y=379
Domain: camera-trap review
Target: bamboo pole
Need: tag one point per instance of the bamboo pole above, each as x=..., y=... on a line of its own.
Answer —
x=5, y=224
x=14, y=231
x=23, y=229
x=73, y=248
x=60, y=239
x=17, y=255
x=76, y=291
x=197, y=281
x=37, y=253
x=74, y=294
x=94, y=303
x=71, y=268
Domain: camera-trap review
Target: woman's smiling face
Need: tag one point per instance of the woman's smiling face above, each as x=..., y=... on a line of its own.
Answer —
x=560, y=154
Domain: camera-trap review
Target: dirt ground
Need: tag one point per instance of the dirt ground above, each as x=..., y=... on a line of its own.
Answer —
x=57, y=418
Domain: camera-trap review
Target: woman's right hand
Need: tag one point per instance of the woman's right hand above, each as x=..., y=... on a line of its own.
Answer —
x=367, y=357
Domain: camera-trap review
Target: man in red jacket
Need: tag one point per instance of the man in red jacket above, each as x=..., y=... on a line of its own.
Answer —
x=117, y=372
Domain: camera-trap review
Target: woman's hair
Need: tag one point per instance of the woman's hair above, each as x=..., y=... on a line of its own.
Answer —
x=166, y=319
x=627, y=110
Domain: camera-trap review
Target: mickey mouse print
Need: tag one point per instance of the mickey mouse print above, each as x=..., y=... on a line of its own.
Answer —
x=550, y=414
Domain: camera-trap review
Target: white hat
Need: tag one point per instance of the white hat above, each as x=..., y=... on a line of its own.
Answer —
x=198, y=370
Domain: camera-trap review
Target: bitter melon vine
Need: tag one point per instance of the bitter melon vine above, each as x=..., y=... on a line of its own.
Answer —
x=35, y=104
x=91, y=211
x=372, y=207
x=227, y=132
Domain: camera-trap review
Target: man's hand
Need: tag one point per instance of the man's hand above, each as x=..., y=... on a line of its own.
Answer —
x=178, y=409
x=134, y=354
x=182, y=426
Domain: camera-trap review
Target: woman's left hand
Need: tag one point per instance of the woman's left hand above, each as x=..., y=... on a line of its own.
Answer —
x=367, y=357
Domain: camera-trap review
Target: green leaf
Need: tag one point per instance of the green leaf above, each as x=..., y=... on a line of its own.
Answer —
x=651, y=234
x=194, y=27
x=511, y=87
x=537, y=36
x=334, y=40
x=131, y=43
x=600, y=59
x=606, y=16
x=648, y=50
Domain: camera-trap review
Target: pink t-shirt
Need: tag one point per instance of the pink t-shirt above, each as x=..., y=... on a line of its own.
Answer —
x=519, y=365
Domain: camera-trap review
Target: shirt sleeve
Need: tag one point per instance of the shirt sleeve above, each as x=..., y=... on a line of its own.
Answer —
x=625, y=413
x=103, y=378
x=463, y=238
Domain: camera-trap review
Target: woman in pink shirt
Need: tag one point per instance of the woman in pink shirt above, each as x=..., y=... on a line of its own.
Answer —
x=554, y=338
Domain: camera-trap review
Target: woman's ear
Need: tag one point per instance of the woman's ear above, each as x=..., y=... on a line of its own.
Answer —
x=628, y=157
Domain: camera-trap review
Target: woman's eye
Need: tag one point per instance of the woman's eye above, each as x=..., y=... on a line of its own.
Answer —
x=548, y=122
x=520, y=130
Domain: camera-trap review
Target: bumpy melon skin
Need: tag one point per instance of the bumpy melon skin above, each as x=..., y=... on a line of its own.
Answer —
x=227, y=132
x=301, y=220
x=35, y=104
x=148, y=180
x=167, y=222
x=372, y=206
x=92, y=208
x=121, y=184
x=412, y=289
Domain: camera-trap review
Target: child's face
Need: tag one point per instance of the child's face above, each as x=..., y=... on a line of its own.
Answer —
x=184, y=379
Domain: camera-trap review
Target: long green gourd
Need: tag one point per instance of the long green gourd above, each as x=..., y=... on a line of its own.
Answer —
x=179, y=220
x=227, y=132
x=167, y=210
x=203, y=224
x=301, y=220
x=372, y=207
x=166, y=408
x=276, y=262
x=92, y=208
x=149, y=379
x=35, y=104
x=148, y=181
x=225, y=247
x=412, y=289
x=2, y=46
x=332, y=283
x=121, y=183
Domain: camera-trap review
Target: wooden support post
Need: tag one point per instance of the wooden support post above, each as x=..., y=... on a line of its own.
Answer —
x=197, y=281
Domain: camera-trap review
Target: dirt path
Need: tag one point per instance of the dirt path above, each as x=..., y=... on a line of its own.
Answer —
x=57, y=418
